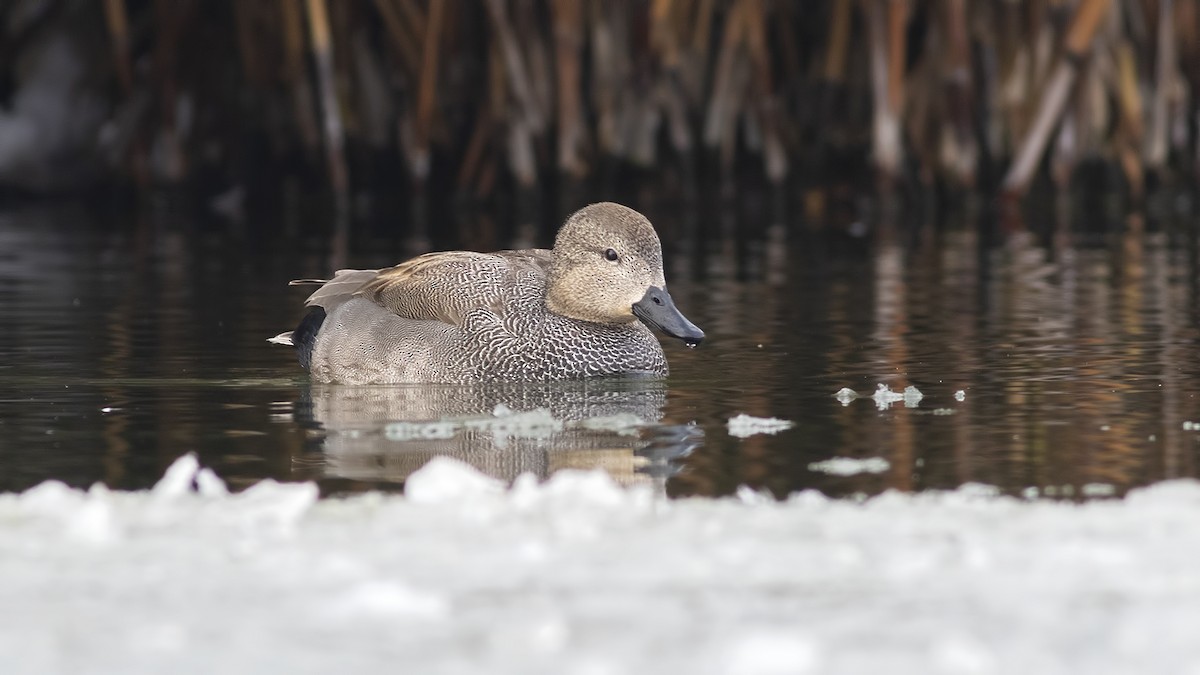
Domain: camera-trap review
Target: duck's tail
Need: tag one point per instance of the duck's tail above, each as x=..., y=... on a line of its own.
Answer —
x=304, y=338
x=332, y=292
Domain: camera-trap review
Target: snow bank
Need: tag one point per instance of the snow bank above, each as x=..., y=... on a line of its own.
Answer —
x=577, y=575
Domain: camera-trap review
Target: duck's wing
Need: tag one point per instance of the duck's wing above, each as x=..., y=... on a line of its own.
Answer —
x=445, y=286
x=335, y=291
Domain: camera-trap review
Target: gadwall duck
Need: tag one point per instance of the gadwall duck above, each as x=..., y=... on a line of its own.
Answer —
x=582, y=309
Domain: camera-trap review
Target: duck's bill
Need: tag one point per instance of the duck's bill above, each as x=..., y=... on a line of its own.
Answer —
x=657, y=310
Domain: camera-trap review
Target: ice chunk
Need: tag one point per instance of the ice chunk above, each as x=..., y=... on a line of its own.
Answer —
x=1175, y=493
x=962, y=654
x=544, y=580
x=444, y=479
x=1098, y=490
x=591, y=487
x=771, y=651
x=185, y=476
x=384, y=598
x=93, y=522
x=504, y=421
x=885, y=397
x=536, y=423
x=51, y=498
x=977, y=490
x=273, y=506
x=178, y=479
x=748, y=495
x=625, y=424
x=742, y=426
x=208, y=484
x=411, y=431
x=960, y=395
x=848, y=466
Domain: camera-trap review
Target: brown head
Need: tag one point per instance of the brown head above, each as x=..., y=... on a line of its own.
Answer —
x=608, y=269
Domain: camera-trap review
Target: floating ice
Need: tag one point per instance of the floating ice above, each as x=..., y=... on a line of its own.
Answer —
x=534, y=423
x=742, y=426
x=1098, y=490
x=1088, y=490
x=848, y=466
x=960, y=395
x=577, y=575
x=414, y=431
x=845, y=395
x=504, y=421
x=622, y=423
x=885, y=397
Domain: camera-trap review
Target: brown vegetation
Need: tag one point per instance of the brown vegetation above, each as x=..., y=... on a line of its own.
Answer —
x=484, y=91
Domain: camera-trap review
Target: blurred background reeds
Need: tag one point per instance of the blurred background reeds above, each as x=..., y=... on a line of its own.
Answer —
x=406, y=101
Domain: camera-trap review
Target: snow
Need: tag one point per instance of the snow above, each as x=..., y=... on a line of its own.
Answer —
x=579, y=575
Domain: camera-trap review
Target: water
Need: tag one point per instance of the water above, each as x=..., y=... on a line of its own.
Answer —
x=127, y=344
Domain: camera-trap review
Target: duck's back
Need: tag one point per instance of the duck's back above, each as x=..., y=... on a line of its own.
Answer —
x=463, y=317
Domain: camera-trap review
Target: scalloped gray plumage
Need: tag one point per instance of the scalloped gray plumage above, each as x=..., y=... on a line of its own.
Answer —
x=526, y=315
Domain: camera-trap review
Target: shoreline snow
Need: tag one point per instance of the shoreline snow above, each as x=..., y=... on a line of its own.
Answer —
x=579, y=575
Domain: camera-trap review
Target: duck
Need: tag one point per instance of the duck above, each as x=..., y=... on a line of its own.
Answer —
x=586, y=308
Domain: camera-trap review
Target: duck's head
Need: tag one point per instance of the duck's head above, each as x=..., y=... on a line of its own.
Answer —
x=608, y=269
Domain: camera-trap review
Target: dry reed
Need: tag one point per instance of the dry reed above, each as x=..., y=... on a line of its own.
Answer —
x=517, y=90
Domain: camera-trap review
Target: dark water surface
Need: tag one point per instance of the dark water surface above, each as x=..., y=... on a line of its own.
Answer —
x=123, y=347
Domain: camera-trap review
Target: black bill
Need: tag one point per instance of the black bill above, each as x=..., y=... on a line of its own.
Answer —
x=657, y=310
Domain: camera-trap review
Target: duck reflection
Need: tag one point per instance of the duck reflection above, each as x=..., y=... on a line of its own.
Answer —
x=384, y=433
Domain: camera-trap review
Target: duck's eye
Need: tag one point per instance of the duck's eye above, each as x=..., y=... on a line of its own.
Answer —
x=611, y=254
